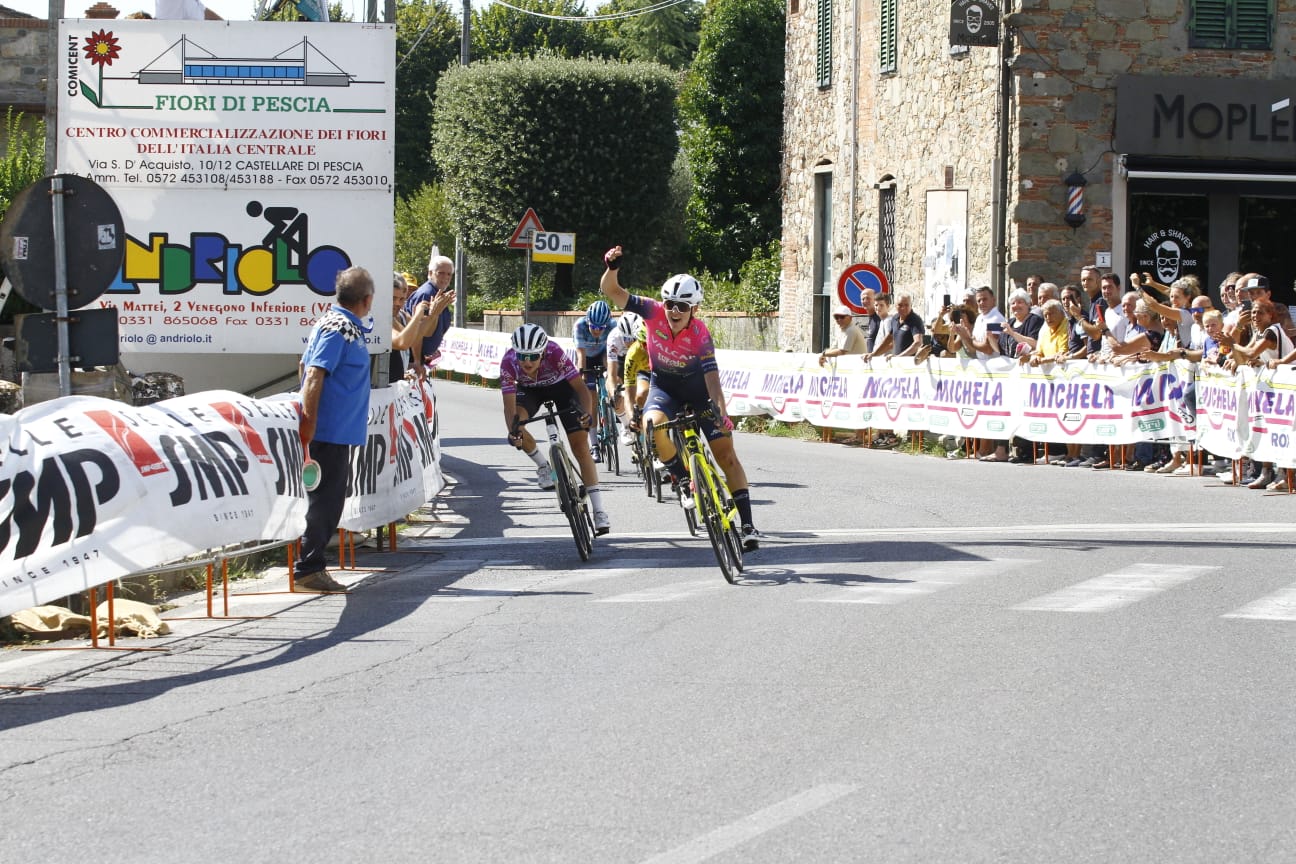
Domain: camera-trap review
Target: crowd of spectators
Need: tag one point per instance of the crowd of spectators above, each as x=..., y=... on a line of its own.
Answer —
x=1088, y=320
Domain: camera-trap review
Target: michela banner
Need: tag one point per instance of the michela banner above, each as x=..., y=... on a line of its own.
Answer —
x=1073, y=403
x=92, y=490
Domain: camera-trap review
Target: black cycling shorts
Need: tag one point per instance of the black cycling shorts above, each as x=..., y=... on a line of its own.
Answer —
x=532, y=399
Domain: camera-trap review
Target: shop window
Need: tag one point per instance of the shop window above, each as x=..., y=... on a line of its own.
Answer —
x=888, y=38
x=1242, y=24
x=823, y=43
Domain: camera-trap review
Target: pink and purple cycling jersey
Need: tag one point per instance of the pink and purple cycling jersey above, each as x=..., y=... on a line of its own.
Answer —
x=555, y=368
x=677, y=354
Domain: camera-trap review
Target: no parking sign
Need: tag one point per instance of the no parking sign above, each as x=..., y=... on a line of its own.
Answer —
x=854, y=279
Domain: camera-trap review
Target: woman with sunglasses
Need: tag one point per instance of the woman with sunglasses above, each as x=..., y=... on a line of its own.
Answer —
x=684, y=372
x=535, y=371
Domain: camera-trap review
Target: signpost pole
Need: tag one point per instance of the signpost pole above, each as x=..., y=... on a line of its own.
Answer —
x=60, y=287
x=526, y=290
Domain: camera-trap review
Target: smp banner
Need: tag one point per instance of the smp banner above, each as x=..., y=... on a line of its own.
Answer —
x=251, y=163
x=397, y=469
x=92, y=490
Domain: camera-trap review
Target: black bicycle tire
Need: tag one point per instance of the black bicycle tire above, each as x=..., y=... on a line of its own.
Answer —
x=611, y=453
x=733, y=534
x=654, y=476
x=709, y=517
x=568, y=498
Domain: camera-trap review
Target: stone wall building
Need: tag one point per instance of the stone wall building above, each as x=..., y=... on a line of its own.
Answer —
x=893, y=151
x=24, y=62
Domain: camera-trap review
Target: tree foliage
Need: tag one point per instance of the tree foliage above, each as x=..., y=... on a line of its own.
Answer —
x=421, y=223
x=500, y=33
x=23, y=160
x=427, y=43
x=731, y=106
x=588, y=144
x=668, y=36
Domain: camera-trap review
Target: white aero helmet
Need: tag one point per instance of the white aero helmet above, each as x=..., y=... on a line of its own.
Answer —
x=529, y=339
x=682, y=287
x=627, y=323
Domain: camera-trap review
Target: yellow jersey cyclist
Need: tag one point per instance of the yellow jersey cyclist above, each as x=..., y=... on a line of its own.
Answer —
x=637, y=372
x=535, y=371
x=684, y=372
x=618, y=346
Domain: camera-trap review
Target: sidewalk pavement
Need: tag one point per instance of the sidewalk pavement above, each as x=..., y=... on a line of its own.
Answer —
x=59, y=664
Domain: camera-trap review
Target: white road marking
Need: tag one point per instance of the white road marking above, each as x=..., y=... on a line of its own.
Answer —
x=749, y=827
x=1130, y=584
x=918, y=582
x=1279, y=606
x=791, y=537
x=668, y=593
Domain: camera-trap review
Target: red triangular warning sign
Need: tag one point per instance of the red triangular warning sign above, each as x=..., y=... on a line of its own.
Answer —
x=521, y=238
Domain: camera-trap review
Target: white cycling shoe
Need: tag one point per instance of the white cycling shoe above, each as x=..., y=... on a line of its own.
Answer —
x=602, y=524
x=544, y=477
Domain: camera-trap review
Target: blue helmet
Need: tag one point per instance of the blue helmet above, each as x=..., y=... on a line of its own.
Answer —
x=598, y=314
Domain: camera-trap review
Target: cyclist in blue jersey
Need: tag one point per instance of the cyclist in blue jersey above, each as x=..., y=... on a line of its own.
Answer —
x=534, y=371
x=591, y=338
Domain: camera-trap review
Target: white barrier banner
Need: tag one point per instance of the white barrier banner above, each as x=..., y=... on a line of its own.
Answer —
x=971, y=398
x=1271, y=409
x=1221, y=411
x=388, y=478
x=92, y=490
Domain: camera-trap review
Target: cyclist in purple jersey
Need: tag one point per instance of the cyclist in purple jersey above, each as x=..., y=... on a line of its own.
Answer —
x=684, y=372
x=535, y=371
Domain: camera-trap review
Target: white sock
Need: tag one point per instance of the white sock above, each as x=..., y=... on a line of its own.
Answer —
x=538, y=458
x=595, y=497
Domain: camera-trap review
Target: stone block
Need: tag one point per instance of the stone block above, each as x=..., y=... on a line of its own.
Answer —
x=1072, y=61
x=1122, y=10
x=1163, y=8
x=1062, y=138
x=1112, y=62
x=1140, y=31
x=1084, y=106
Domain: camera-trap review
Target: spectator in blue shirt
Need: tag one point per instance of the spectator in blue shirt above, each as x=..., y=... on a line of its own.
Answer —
x=334, y=417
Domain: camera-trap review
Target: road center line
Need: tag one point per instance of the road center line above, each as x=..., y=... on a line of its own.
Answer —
x=736, y=833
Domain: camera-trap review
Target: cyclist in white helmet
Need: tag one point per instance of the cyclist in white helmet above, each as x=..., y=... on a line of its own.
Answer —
x=534, y=371
x=684, y=372
x=618, y=345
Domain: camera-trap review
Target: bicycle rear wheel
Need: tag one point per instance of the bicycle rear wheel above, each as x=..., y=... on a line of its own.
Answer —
x=573, y=507
x=652, y=477
x=731, y=522
x=708, y=512
x=611, y=452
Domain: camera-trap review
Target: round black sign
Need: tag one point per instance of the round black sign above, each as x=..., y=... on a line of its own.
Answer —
x=93, y=235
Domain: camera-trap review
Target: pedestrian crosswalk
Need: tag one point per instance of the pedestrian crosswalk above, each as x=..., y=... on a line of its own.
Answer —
x=997, y=582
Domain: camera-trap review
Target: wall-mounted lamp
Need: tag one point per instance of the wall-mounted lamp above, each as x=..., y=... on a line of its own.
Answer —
x=1075, y=182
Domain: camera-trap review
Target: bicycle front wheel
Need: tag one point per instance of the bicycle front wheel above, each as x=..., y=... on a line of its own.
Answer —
x=652, y=477
x=573, y=506
x=708, y=513
x=611, y=452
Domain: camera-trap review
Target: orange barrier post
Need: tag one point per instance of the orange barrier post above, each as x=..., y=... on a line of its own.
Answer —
x=93, y=596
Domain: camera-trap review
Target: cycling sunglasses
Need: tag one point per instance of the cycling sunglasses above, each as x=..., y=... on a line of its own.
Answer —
x=530, y=358
x=678, y=305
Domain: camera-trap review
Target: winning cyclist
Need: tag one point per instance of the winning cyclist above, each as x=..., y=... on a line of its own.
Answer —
x=535, y=371
x=618, y=345
x=591, y=337
x=684, y=372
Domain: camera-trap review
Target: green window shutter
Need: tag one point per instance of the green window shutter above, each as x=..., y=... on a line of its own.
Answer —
x=823, y=48
x=1208, y=22
x=888, y=36
x=1254, y=24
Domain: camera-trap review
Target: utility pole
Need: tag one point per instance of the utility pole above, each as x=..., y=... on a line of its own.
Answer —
x=461, y=254
x=51, y=83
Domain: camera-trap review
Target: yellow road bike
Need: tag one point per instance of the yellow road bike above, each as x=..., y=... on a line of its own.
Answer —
x=714, y=508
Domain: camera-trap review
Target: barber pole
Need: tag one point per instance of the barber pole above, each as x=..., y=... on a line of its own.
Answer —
x=1075, y=199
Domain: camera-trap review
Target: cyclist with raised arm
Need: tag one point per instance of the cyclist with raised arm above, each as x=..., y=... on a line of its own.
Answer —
x=591, y=338
x=684, y=373
x=535, y=371
x=618, y=346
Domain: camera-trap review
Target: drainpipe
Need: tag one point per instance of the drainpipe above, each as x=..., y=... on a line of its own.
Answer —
x=854, y=133
x=999, y=206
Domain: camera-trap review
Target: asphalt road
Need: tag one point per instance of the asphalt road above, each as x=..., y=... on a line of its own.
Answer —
x=928, y=661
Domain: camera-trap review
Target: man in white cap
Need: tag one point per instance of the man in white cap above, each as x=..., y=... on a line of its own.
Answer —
x=850, y=338
x=437, y=292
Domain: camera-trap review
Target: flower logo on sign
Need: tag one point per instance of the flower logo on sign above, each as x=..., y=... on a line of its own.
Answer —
x=101, y=49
